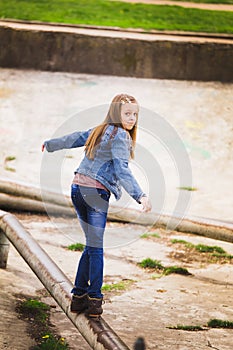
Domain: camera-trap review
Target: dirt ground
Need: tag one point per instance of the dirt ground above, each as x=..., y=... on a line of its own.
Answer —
x=32, y=106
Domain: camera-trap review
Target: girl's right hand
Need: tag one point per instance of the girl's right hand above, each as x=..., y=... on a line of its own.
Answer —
x=146, y=204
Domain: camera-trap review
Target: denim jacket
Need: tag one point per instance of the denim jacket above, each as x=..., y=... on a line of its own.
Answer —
x=110, y=164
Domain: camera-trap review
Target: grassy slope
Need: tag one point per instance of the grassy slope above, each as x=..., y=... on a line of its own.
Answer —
x=209, y=1
x=125, y=15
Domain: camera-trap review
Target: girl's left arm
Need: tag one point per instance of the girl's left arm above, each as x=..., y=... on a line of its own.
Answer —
x=76, y=139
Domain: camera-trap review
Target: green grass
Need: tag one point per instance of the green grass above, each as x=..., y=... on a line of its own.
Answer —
x=214, y=251
x=209, y=1
x=76, y=247
x=187, y=188
x=223, y=255
x=187, y=328
x=150, y=234
x=182, y=241
x=209, y=249
x=151, y=264
x=115, y=287
x=35, y=309
x=37, y=314
x=9, y=159
x=216, y=323
x=124, y=15
x=50, y=342
x=176, y=269
x=7, y=168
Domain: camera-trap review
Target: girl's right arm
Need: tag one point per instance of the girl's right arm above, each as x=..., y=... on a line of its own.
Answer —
x=120, y=156
x=76, y=139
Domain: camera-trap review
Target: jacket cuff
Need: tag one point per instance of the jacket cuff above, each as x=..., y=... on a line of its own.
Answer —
x=139, y=200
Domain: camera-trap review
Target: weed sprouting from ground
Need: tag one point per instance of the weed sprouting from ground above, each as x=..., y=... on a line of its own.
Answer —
x=182, y=241
x=214, y=253
x=187, y=188
x=37, y=314
x=209, y=249
x=118, y=286
x=34, y=309
x=176, y=269
x=76, y=247
x=216, y=323
x=6, y=161
x=151, y=264
x=150, y=234
x=187, y=328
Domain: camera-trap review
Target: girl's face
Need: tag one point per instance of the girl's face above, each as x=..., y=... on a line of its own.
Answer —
x=129, y=115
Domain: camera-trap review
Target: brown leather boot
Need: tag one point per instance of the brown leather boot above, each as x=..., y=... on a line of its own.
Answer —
x=94, y=307
x=79, y=303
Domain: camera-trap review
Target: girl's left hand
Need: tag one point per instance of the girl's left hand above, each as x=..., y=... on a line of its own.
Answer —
x=146, y=204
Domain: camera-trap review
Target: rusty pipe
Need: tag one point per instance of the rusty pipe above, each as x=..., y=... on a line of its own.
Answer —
x=97, y=333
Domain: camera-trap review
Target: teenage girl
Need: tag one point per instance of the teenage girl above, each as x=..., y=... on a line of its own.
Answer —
x=102, y=172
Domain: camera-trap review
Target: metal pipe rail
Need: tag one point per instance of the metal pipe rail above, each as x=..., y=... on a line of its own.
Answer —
x=97, y=333
x=20, y=196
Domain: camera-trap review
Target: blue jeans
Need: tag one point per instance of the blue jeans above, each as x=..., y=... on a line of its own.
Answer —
x=91, y=205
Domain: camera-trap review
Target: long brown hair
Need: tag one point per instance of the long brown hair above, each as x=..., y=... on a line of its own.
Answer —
x=113, y=118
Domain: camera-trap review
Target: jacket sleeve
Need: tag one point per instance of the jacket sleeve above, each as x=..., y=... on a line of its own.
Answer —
x=76, y=139
x=120, y=157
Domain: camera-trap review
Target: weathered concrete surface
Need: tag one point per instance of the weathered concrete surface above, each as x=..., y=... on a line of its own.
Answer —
x=33, y=105
x=146, y=308
x=98, y=334
x=74, y=49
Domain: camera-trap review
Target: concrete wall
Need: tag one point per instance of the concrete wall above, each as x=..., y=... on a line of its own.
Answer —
x=84, y=53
